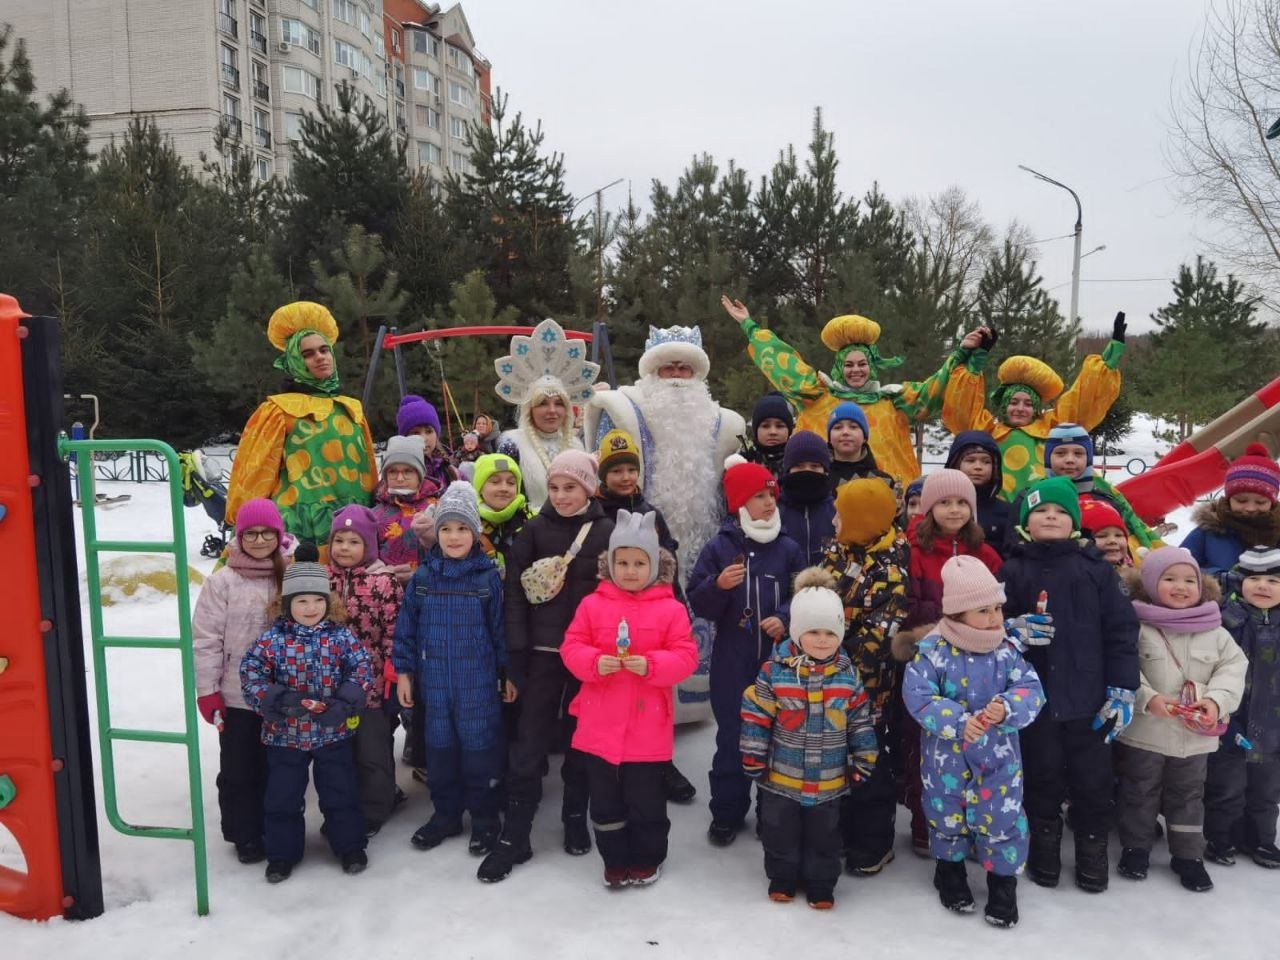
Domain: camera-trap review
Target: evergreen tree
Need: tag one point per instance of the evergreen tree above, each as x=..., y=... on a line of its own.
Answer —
x=348, y=170
x=512, y=212
x=424, y=253
x=1012, y=300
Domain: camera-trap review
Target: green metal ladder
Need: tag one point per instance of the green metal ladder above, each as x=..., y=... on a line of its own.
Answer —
x=107, y=734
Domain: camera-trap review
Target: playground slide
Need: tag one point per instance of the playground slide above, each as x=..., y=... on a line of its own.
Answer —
x=1231, y=421
x=1167, y=487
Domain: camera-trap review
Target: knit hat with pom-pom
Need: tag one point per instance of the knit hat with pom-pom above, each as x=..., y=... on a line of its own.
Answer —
x=743, y=480
x=815, y=605
x=1259, y=561
x=416, y=412
x=1254, y=472
x=305, y=576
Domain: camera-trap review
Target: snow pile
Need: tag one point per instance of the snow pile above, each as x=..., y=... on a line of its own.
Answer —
x=144, y=576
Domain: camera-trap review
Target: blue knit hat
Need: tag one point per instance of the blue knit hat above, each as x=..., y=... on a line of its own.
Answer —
x=416, y=412
x=1068, y=433
x=772, y=406
x=805, y=446
x=849, y=411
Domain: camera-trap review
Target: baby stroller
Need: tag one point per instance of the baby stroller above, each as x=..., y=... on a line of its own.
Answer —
x=198, y=488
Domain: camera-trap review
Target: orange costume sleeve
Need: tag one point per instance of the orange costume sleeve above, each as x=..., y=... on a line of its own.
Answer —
x=255, y=472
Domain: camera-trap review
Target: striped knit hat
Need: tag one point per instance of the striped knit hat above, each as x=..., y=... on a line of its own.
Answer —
x=305, y=576
x=1259, y=561
x=1254, y=472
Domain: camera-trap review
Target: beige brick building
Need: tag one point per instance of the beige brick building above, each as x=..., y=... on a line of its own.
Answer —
x=257, y=66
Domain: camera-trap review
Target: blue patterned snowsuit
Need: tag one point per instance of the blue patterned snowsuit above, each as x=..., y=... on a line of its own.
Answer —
x=972, y=792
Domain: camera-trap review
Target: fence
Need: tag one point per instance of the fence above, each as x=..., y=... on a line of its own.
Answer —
x=146, y=466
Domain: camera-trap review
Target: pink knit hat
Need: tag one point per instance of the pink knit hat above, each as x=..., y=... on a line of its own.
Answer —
x=948, y=483
x=1155, y=563
x=363, y=522
x=967, y=584
x=259, y=513
x=578, y=466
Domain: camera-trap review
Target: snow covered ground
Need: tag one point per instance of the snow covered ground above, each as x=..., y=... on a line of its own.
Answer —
x=709, y=903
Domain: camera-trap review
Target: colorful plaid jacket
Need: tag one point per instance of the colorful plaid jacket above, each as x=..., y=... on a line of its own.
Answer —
x=805, y=725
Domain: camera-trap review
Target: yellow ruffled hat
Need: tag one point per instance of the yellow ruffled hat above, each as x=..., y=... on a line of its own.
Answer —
x=850, y=329
x=1033, y=373
x=301, y=315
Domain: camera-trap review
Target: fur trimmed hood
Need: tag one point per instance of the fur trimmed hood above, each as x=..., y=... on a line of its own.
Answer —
x=903, y=647
x=1132, y=578
x=666, y=567
x=1216, y=517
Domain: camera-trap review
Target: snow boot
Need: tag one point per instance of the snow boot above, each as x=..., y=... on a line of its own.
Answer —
x=354, y=861
x=1044, y=856
x=512, y=847
x=867, y=865
x=1224, y=855
x=677, y=786
x=279, y=870
x=1002, y=901
x=615, y=878
x=1134, y=863
x=577, y=838
x=435, y=832
x=484, y=835
x=781, y=892
x=721, y=833
x=952, y=884
x=1092, y=865
x=643, y=876
x=820, y=898
x=1266, y=855
x=252, y=852
x=1192, y=873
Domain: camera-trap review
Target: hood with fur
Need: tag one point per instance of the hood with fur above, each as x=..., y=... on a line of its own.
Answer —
x=1216, y=517
x=666, y=567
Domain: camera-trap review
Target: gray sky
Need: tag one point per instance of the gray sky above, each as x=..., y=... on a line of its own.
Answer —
x=920, y=94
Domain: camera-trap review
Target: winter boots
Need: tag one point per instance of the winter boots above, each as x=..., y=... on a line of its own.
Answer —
x=1266, y=855
x=354, y=862
x=677, y=786
x=1224, y=855
x=252, y=852
x=952, y=884
x=484, y=836
x=1134, y=863
x=1092, y=866
x=1044, y=858
x=721, y=833
x=577, y=838
x=279, y=870
x=435, y=832
x=1002, y=901
x=1192, y=873
x=512, y=847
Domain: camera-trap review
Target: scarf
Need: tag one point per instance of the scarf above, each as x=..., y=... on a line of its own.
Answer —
x=1201, y=617
x=497, y=517
x=970, y=639
x=761, y=531
x=870, y=391
x=291, y=363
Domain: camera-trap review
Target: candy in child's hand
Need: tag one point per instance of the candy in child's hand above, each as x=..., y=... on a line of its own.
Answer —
x=315, y=706
x=624, y=639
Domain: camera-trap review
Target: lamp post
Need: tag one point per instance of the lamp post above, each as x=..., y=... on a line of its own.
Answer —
x=599, y=195
x=1075, y=265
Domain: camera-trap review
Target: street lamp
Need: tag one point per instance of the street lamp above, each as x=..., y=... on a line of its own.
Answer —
x=599, y=195
x=1075, y=266
x=1098, y=249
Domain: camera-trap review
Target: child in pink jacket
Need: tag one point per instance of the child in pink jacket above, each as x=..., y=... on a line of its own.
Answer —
x=630, y=643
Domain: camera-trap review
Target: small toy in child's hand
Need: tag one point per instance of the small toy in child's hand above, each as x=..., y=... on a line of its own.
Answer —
x=219, y=722
x=1193, y=717
x=1243, y=742
x=1042, y=602
x=624, y=639
x=315, y=706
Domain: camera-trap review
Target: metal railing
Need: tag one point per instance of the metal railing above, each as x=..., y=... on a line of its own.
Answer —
x=262, y=91
x=109, y=735
x=228, y=25
x=231, y=75
x=258, y=41
x=262, y=137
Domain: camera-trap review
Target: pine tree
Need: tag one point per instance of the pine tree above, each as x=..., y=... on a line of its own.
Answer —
x=1012, y=300
x=424, y=253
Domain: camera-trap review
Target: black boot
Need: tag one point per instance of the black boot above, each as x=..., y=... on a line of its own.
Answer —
x=484, y=836
x=1002, y=901
x=1092, y=866
x=677, y=786
x=1044, y=858
x=1192, y=873
x=512, y=847
x=952, y=884
x=1134, y=863
x=577, y=838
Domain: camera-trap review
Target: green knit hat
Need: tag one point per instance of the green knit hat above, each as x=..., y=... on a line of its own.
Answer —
x=492, y=463
x=1059, y=490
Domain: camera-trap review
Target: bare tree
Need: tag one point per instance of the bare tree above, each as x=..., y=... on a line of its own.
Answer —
x=954, y=241
x=1218, y=147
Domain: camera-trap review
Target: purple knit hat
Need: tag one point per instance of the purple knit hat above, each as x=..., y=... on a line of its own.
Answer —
x=361, y=521
x=1155, y=563
x=259, y=513
x=805, y=446
x=415, y=412
x=948, y=483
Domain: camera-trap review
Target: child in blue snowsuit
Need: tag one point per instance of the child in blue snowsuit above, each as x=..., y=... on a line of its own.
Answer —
x=971, y=692
x=806, y=503
x=451, y=634
x=742, y=583
x=308, y=675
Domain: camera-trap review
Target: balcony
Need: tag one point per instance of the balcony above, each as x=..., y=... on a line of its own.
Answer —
x=258, y=41
x=231, y=76
x=234, y=125
x=262, y=137
x=261, y=91
x=400, y=89
x=400, y=124
x=228, y=25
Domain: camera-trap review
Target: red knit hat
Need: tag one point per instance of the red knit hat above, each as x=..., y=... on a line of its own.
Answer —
x=1254, y=472
x=743, y=480
x=1097, y=515
x=948, y=483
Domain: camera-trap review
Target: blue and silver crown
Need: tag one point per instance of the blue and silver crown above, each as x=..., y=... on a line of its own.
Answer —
x=661, y=335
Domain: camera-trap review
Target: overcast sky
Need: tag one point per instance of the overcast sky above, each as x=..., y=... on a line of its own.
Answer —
x=920, y=94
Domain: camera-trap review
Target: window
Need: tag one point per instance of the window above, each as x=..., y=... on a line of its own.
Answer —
x=395, y=40
x=428, y=116
x=346, y=11
x=313, y=4
x=297, y=80
x=428, y=153
x=293, y=126
x=422, y=78
x=258, y=32
x=380, y=45
x=423, y=42
x=459, y=94
x=231, y=116
x=461, y=61
x=262, y=129
x=458, y=160
x=261, y=89
x=458, y=129
x=264, y=168
x=299, y=34
x=230, y=66
x=366, y=23
x=227, y=22
x=346, y=54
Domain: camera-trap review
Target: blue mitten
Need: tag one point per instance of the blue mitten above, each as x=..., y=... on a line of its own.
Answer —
x=1030, y=630
x=279, y=703
x=346, y=702
x=1118, y=707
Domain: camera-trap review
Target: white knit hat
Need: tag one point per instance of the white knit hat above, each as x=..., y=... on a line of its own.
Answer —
x=815, y=605
x=458, y=502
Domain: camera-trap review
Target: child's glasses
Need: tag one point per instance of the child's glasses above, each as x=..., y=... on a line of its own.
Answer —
x=254, y=536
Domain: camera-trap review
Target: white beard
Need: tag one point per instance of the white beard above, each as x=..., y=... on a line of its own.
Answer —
x=684, y=477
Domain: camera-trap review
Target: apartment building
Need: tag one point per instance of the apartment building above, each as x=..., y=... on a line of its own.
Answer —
x=253, y=68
